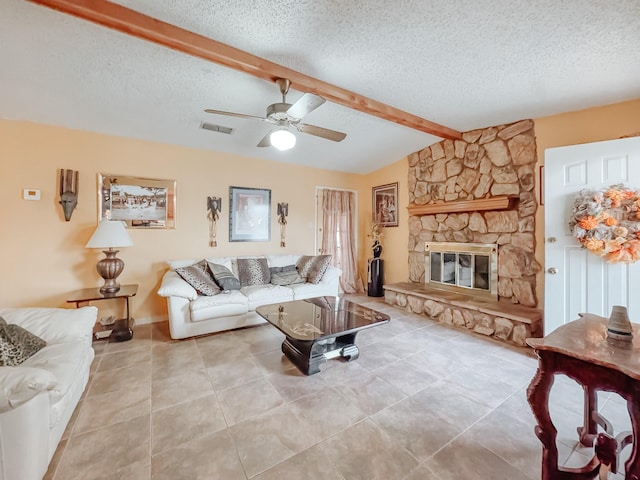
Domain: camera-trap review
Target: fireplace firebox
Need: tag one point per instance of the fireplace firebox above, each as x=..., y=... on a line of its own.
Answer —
x=468, y=268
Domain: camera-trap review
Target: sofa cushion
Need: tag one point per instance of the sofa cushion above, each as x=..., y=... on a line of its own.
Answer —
x=312, y=267
x=309, y=290
x=282, y=260
x=227, y=298
x=17, y=344
x=264, y=294
x=253, y=271
x=199, y=277
x=224, y=277
x=287, y=275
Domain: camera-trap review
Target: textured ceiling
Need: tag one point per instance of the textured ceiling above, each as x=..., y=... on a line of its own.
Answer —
x=462, y=64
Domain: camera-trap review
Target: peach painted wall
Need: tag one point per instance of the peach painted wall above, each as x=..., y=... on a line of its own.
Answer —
x=43, y=257
x=395, y=252
x=584, y=126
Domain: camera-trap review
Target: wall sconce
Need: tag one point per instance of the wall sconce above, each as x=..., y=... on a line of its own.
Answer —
x=214, y=207
x=283, y=213
x=68, y=192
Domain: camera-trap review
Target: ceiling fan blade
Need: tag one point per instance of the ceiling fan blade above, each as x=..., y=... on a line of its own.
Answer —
x=232, y=114
x=321, y=132
x=265, y=142
x=305, y=105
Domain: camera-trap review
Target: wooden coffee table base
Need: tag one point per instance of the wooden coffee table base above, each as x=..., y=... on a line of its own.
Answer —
x=308, y=355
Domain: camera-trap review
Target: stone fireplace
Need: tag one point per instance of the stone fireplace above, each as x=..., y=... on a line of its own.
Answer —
x=466, y=268
x=476, y=190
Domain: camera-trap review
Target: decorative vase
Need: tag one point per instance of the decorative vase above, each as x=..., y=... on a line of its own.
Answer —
x=619, y=326
x=377, y=249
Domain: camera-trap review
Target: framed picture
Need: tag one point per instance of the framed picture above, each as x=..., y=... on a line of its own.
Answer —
x=249, y=214
x=385, y=205
x=139, y=202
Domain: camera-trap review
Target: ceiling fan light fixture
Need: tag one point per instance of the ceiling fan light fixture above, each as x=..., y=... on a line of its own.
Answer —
x=282, y=139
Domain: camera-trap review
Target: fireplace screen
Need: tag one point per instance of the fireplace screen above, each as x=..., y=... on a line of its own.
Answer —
x=469, y=268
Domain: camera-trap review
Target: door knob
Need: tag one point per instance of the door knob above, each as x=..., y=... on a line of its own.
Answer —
x=552, y=270
x=551, y=240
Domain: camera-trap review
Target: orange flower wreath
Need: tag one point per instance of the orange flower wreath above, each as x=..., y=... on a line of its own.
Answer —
x=607, y=223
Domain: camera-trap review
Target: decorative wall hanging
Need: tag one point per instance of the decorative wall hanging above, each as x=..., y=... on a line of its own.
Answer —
x=214, y=207
x=283, y=212
x=68, y=191
x=607, y=222
x=249, y=214
x=139, y=202
x=385, y=205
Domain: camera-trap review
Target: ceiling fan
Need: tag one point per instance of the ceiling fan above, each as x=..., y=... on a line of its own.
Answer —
x=285, y=115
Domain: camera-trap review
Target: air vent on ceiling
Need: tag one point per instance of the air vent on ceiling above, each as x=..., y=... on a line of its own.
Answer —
x=216, y=128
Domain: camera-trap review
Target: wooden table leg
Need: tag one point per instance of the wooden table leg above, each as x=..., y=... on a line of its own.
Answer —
x=589, y=429
x=632, y=466
x=538, y=398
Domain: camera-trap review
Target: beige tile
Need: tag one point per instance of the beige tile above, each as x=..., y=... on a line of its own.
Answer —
x=171, y=391
x=435, y=363
x=415, y=428
x=160, y=332
x=55, y=460
x=203, y=458
x=465, y=458
x=181, y=423
x=134, y=471
x=377, y=355
x=490, y=390
x=118, y=406
x=423, y=472
x=517, y=444
x=311, y=464
x=141, y=339
x=406, y=377
x=273, y=362
x=128, y=358
x=241, y=371
x=371, y=394
x=365, y=452
x=175, y=359
x=327, y=414
x=293, y=384
x=248, y=400
x=267, y=440
x=110, y=449
x=340, y=372
x=450, y=402
x=217, y=349
x=111, y=380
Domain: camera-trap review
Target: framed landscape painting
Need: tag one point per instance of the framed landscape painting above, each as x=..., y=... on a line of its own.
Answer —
x=249, y=214
x=385, y=205
x=139, y=202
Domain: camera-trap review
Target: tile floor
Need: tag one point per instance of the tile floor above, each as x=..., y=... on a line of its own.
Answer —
x=423, y=401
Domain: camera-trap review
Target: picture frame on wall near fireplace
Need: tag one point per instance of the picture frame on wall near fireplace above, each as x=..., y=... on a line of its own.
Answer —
x=385, y=205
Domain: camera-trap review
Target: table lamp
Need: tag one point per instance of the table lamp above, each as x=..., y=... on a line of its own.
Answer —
x=110, y=234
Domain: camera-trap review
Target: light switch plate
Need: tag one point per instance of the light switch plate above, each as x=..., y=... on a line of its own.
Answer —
x=31, y=194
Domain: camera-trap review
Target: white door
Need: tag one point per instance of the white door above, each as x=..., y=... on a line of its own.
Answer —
x=576, y=280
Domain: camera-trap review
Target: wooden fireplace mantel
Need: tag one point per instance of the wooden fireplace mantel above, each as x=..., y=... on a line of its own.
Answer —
x=502, y=202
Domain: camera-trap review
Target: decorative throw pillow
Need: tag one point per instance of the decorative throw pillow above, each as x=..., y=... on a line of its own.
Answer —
x=287, y=275
x=223, y=277
x=312, y=268
x=199, y=277
x=17, y=344
x=253, y=271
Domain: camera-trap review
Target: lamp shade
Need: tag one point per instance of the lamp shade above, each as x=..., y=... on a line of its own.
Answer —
x=110, y=234
x=282, y=139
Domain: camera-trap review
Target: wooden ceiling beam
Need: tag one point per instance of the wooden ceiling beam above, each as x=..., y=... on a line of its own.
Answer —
x=134, y=23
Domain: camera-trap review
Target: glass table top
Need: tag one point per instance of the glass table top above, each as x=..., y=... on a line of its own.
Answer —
x=320, y=318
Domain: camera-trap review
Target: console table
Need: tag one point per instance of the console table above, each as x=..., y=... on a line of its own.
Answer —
x=582, y=351
x=121, y=329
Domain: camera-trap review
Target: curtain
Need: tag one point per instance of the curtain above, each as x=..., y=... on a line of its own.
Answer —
x=338, y=236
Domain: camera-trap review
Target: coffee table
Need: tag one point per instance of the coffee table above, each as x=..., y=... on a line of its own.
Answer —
x=318, y=329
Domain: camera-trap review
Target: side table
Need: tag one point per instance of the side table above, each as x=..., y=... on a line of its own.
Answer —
x=581, y=350
x=122, y=329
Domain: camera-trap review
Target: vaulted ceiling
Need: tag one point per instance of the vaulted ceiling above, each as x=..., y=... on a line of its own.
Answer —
x=455, y=64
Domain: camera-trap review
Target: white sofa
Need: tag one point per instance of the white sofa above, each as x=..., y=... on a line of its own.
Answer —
x=191, y=314
x=38, y=397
